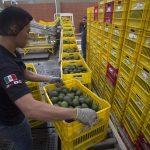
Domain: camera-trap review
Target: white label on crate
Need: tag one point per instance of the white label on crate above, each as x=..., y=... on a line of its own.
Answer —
x=132, y=36
x=119, y=101
x=95, y=10
x=113, y=52
x=109, y=9
x=127, y=61
x=101, y=10
x=148, y=41
x=119, y=7
x=139, y=103
x=111, y=70
x=145, y=76
x=116, y=32
x=138, y=5
x=133, y=65
x=122, y=82
x=106, y=29
x=103, y=62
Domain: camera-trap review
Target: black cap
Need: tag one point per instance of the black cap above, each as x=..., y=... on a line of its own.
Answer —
x=13, y=16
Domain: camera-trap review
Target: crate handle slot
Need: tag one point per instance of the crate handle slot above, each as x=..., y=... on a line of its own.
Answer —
x=119, y=2
x=73, y=62
x=132, y=30
x=138, y=96
x=146, y=70
x=77, y=76
x=87, y=127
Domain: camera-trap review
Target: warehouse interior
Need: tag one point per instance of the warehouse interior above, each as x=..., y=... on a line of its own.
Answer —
x=114, y=75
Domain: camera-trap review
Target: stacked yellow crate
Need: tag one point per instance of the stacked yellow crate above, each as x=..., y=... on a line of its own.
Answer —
x=90, y=12
x=117, y=36
x=102, y=59
x=139, y=92
x=36, y=93
x=107, y=36
x=92, y=46
x=70, y=58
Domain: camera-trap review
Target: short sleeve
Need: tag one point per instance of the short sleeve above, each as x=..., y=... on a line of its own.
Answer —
x=12, y=81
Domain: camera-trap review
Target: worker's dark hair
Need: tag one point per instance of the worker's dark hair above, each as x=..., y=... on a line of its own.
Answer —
x=13, y=17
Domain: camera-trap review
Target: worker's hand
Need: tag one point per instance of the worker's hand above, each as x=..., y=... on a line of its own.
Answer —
x=56, y=80
x=86, y=116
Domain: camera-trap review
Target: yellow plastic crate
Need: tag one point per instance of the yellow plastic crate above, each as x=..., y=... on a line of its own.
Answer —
x=102, y=83
x=115, y=110
x=101, y=11
x=132, y=41
x=147, y=23
x=131, y=125
x=72, y=135
x=123, y=84
x=142, y=78
x=105, y=48
x=146, y=128
x=70, y=46
x=68, y=34
x=65, y=19
x=101, y=2
x=135, y=103
x=144, y=56
x=114, y=56
x=107, y=30
x=69, y=39
x=120, y=99
x=34, y=86
x=120, y=12
x=103, y=64
x=85, y=78
x=101, y=29
x=137, y=13
x=109, y=91
x=117, y=36
x=66, y=29
x=67, y=24
x=71, y=54
x=127, y=65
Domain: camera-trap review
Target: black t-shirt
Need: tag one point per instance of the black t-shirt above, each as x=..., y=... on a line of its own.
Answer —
x=12, y=87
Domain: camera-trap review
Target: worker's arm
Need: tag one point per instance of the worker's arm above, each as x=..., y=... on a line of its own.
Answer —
x=31, y=76
x=41, y=111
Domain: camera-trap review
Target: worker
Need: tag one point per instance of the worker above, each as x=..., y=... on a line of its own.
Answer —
x=83, y=36
x=16, y=101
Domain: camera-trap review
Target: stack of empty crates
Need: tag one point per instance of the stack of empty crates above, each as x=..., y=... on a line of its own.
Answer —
x=36, y=93
x=138, y=103
x=118, y=33
x=122, y=76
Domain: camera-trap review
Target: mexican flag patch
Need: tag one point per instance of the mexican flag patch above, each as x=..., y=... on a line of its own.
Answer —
x=10, y=78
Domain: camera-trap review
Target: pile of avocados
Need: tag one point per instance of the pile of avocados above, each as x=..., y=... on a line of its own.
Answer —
x=71, y=57
x=68, y=35
x=71, y=69
x=70, y=50
x=68, y=42
x=71, y=98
